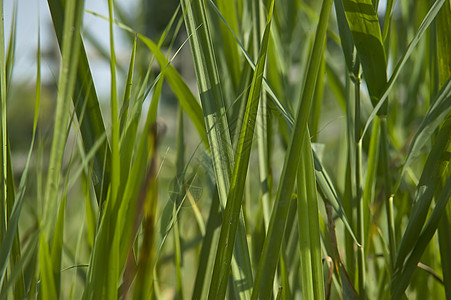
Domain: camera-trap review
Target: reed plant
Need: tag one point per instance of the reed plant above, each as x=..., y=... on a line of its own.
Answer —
x=310, y=159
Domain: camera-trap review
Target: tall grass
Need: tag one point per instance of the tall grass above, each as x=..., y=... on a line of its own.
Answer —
x=310, y=159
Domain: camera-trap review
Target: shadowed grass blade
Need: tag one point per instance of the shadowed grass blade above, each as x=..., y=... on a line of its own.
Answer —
x=364, y=26
x=434, y=117
x=421, y=30
x=415, y=238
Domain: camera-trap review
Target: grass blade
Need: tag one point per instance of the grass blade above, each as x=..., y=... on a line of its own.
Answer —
x=444, y=44
x=309, y=233
x=411, y=242
x=434, y=117
x=207, y=254
x=47, y=287
x=364, y=26
x=128, y=90
x=92, y=126
x=233, y=208
x=271, y=249
x=197, y=25
x=66, y=84
x=444, y=239
x=181, y=90
x=413, y=43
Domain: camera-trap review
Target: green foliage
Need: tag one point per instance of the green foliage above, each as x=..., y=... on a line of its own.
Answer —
x=225, y=192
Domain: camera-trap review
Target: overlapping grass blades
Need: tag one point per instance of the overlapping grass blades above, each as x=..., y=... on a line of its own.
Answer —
x=309, y=233
x=213, y=107
x=87, y=107
x=232, y=210
x=271, y=248
x=140, y=243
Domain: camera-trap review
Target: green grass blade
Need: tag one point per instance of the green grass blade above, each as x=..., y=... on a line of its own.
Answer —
x=413, y=43
x=364, y=26
x=115, y=158
x=346, y=39
x=66, y=85
x=92, y=126
x=271, y=249
x=401, y=281
x=369, y=187
x=210, y=92
x=179, y=188
x=128, y=90
x=434, y=170
x=309, y=233
x=3, y=130
x=23, y=263
x=434, y=117
x=233, y=208
x=207, y=254
x=57, y=245
x=10, y=57
x=444, y=44
x=47, y=286
x=14, y=213
x=231, y=53
x=280, y=106
x=197, y=25
x=323, y=179
x=330, y=195
x=444, y=239
x=180, y=88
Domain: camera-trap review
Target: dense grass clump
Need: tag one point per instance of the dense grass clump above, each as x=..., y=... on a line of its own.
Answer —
x=247, y=150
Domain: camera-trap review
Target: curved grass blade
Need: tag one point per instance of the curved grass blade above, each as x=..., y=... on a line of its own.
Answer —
x=402, y=279
x=364, y=26
x=271, y=249
x=434, y=117
x=421, y=30
x=434, y=169
x=235, y=196
x=92, y=125
x=178, y=85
